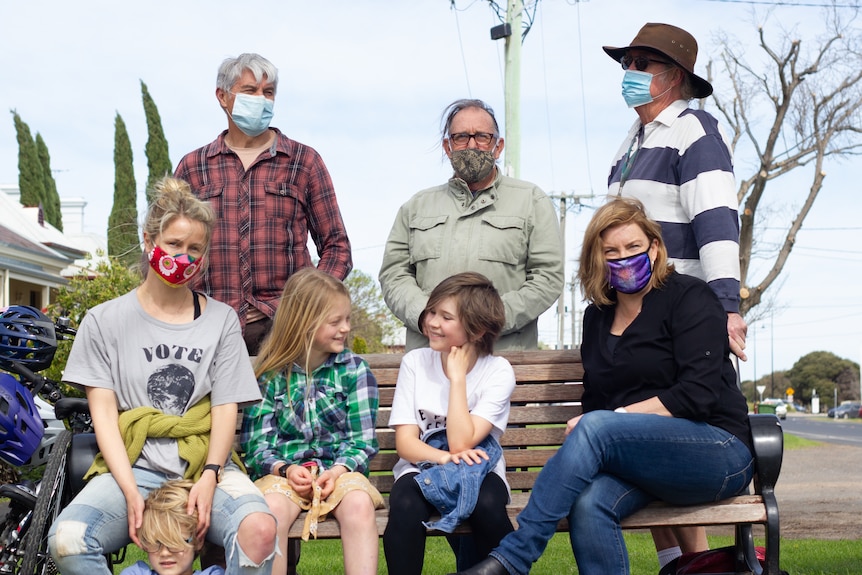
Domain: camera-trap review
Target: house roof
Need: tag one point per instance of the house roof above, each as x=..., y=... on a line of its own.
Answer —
x=11, y=239
x=34, y=237
x=26, y=222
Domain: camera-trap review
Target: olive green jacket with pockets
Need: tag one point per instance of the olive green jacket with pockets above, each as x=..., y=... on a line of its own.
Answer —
x=508, y=232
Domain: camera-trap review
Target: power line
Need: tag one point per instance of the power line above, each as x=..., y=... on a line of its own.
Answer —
x=807, y=229
x=547, y=104
x=463, y=57
x=583, y=98
x=789, y=4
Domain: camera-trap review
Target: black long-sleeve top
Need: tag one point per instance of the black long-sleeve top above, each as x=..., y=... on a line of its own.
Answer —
x=676, y=348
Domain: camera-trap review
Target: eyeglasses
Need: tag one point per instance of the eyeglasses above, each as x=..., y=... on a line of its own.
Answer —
x=481, y=138
x=641, y=62
x=157, y=547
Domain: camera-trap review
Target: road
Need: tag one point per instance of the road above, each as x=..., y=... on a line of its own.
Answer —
x=821, y=428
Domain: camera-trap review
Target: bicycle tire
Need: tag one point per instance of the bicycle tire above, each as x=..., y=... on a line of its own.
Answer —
x=53, y=496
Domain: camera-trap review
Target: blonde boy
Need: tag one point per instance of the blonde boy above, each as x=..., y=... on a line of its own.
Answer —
x=167, y=534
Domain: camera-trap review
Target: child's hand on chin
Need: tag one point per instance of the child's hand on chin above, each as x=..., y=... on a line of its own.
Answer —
x=461, y=358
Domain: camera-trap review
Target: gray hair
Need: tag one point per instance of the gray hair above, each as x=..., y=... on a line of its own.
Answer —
x=231, y=69
x=687, y=88
x=458, y=105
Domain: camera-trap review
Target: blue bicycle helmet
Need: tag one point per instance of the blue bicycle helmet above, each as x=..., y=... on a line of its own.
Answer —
x=27, y=336
x=21, y=427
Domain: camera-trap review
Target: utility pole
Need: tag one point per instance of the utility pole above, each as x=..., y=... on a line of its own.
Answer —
x=561, y=302
x=576, y=332
x=511, y=31
x=514, y=11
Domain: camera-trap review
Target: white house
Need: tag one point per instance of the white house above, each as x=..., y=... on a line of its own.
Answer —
x=35, y=257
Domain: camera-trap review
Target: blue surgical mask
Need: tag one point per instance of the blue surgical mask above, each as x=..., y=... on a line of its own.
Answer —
x=631, y=274
x=636, y=88
x=251, y=114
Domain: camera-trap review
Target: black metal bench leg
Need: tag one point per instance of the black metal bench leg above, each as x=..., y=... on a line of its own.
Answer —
x=746, y=556
x=293, y=551
x=772, y=534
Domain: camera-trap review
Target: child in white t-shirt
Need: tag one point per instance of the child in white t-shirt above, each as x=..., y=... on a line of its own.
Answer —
x=459, y=386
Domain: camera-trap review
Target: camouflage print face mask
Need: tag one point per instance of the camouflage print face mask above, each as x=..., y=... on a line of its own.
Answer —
x=472, y=165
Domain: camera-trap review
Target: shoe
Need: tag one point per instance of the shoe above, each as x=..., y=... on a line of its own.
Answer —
x=489, y=566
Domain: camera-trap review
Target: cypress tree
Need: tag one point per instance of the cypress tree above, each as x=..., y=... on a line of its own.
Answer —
x=53, y=213
x=123, y=241
x=158, y=159
x=30, y=181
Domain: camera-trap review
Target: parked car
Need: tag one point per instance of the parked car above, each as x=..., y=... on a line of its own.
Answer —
x=771, y=405
x=846, y=410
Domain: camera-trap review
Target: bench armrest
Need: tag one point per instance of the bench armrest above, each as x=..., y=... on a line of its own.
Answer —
x=768, y=440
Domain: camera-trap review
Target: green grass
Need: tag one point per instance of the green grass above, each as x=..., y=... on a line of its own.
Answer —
x=795, y=442
x=798, y=556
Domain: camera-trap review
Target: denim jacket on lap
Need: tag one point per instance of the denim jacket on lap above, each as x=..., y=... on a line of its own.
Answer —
x=454, y=488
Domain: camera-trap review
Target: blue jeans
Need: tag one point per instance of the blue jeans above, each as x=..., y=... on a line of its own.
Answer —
x=95, y=522
x=610, y=466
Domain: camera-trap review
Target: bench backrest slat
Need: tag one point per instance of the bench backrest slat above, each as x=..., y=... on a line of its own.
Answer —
x=547, y=394
x=549, y=386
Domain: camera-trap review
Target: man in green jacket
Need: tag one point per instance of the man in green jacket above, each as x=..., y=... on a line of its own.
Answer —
x=481, y=221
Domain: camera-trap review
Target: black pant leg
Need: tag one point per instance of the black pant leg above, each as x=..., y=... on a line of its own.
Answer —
x=404, y=537
x=489, y=521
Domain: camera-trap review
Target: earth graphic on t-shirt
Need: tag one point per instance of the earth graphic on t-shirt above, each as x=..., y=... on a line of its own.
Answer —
x=170, y=388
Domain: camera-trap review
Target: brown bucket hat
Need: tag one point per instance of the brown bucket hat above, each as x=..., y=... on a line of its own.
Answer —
x=670, y=41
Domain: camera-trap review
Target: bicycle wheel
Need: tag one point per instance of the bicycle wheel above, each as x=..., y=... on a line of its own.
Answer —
x=10, y=559
x=53, y=496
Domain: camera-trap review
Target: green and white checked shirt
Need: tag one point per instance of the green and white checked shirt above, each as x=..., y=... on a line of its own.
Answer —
x=329, y=419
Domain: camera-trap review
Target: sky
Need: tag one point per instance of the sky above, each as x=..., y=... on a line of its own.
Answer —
x=364, y=82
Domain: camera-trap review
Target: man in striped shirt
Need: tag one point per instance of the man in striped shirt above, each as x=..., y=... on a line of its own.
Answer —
x=678, y=162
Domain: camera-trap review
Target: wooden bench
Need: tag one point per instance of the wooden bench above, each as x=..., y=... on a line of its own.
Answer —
x=547, y=394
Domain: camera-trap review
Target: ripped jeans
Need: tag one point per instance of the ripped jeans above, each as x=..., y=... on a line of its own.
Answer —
x=95, y=522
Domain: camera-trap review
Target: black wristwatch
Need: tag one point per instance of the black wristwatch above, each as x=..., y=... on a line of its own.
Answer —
x=215, y=468
x=283, y=470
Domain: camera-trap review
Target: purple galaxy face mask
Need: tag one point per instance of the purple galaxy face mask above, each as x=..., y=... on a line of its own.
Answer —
x=631, y=274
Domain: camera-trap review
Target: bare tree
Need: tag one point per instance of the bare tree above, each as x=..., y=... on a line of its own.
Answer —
x=795, y=111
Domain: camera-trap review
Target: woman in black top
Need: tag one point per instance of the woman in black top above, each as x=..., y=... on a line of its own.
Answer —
x=663, y=417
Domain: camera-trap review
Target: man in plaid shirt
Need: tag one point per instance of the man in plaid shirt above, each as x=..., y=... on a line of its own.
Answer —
x=269, y=193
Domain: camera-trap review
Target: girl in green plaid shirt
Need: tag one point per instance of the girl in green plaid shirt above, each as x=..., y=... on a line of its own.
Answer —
x=308, y=443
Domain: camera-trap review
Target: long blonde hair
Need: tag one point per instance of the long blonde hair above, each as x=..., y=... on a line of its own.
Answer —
x=304, y=306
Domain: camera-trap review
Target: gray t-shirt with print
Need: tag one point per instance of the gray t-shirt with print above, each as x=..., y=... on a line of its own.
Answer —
x=147, y=362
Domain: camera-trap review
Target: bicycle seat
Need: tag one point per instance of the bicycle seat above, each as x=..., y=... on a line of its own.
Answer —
x=69, y=406
x=23, y=493
x=82, y=453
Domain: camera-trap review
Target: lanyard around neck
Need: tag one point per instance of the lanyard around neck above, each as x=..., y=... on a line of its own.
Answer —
x=630, y=157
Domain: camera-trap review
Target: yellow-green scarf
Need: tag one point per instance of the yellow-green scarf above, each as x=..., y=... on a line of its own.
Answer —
x=192, y=432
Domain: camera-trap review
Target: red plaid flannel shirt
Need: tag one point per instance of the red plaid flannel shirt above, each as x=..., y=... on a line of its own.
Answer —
x=263, y=219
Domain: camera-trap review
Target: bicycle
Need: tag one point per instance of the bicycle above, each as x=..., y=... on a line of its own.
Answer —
x=28, y=342
x=73, y=452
